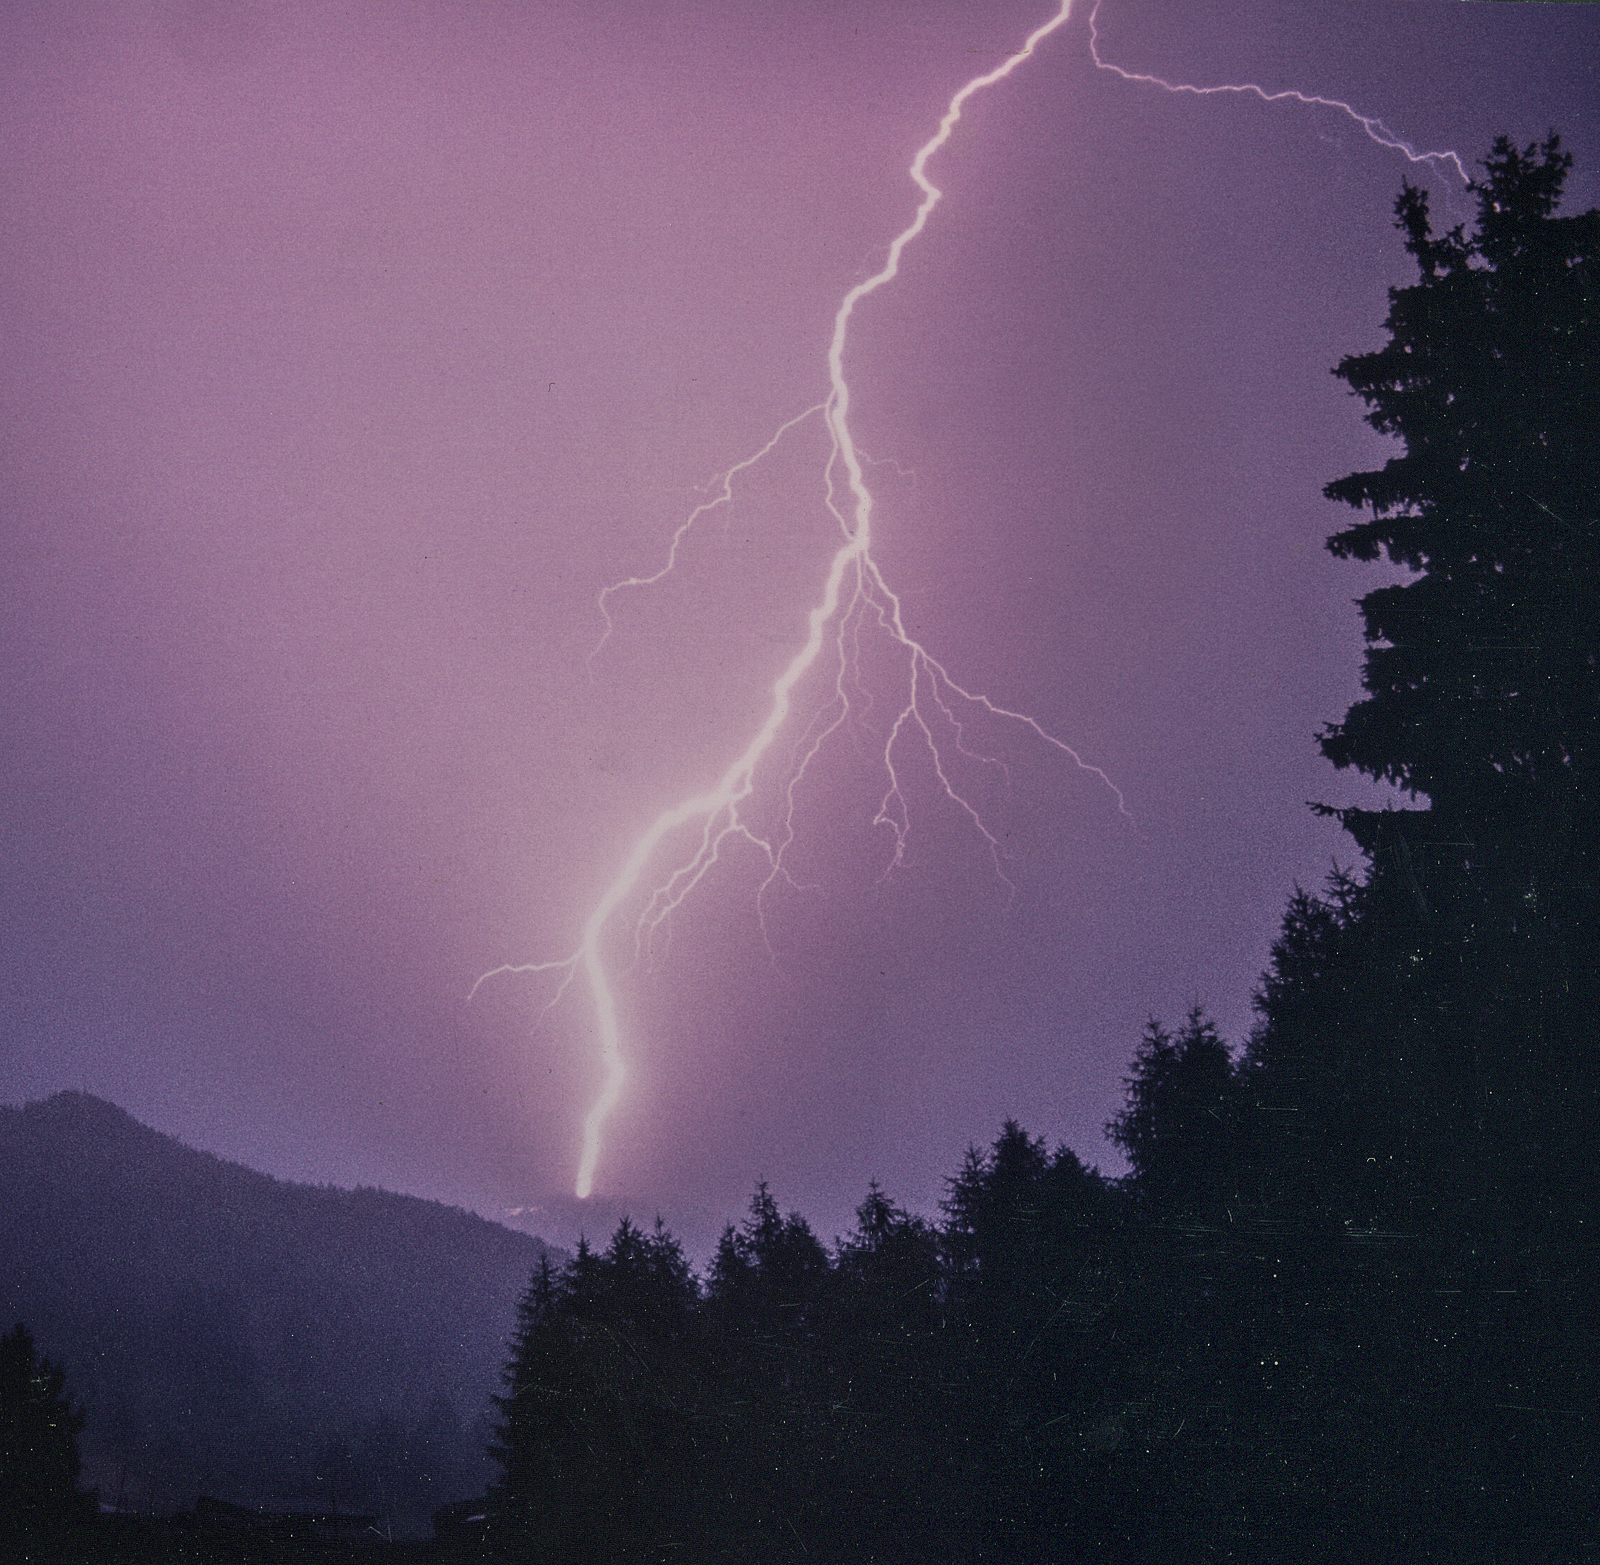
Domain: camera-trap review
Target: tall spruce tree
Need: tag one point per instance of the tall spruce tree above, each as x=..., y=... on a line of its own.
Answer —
x=1180, y=1124
x=1482, y=681
x=1483, y=670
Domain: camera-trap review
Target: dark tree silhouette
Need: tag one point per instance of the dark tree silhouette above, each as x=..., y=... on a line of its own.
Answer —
x=1179, y=1125
x=595, y=1444
x=887, y=1381
x=767, y=1273
x=39, y=1428
x=888, y=1268
x=1481, y=672
x=1423, y=1085
x=1483, y=699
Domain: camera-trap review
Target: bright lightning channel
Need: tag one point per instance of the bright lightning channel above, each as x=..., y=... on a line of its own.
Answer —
x=854, y=595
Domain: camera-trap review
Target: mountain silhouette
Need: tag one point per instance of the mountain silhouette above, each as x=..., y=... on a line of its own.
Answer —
x=236, y=1335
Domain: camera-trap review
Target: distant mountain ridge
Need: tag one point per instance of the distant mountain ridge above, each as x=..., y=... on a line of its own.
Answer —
x=236, y=1334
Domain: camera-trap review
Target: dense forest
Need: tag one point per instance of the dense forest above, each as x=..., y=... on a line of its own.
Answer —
x=1342, y=1305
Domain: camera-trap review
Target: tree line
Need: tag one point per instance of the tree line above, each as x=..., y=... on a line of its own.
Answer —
x=1342, y=1304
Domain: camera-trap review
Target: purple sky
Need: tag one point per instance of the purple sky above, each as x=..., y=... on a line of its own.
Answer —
x=351, y=349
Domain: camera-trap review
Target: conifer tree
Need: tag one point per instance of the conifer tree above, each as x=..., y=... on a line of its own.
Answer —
x=1180, y=1124
x=1483, y=670
x=1482, y=682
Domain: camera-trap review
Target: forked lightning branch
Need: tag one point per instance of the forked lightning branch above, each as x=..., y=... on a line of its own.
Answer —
x=682, y=845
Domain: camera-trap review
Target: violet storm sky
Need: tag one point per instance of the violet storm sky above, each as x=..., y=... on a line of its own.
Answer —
x=351, y=349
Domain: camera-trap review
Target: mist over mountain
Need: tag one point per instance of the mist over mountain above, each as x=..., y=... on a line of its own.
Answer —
x=233, y=1334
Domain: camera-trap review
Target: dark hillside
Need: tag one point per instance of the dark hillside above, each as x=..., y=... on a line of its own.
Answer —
x=233, y=1334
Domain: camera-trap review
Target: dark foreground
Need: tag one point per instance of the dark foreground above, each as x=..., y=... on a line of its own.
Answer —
x=1153, y=1542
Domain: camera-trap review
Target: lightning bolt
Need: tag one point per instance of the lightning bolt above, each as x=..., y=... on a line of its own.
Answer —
x=855, y=600
x=1374, y=128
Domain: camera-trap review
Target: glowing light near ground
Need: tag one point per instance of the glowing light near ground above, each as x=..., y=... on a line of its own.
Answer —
x=855, y=599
